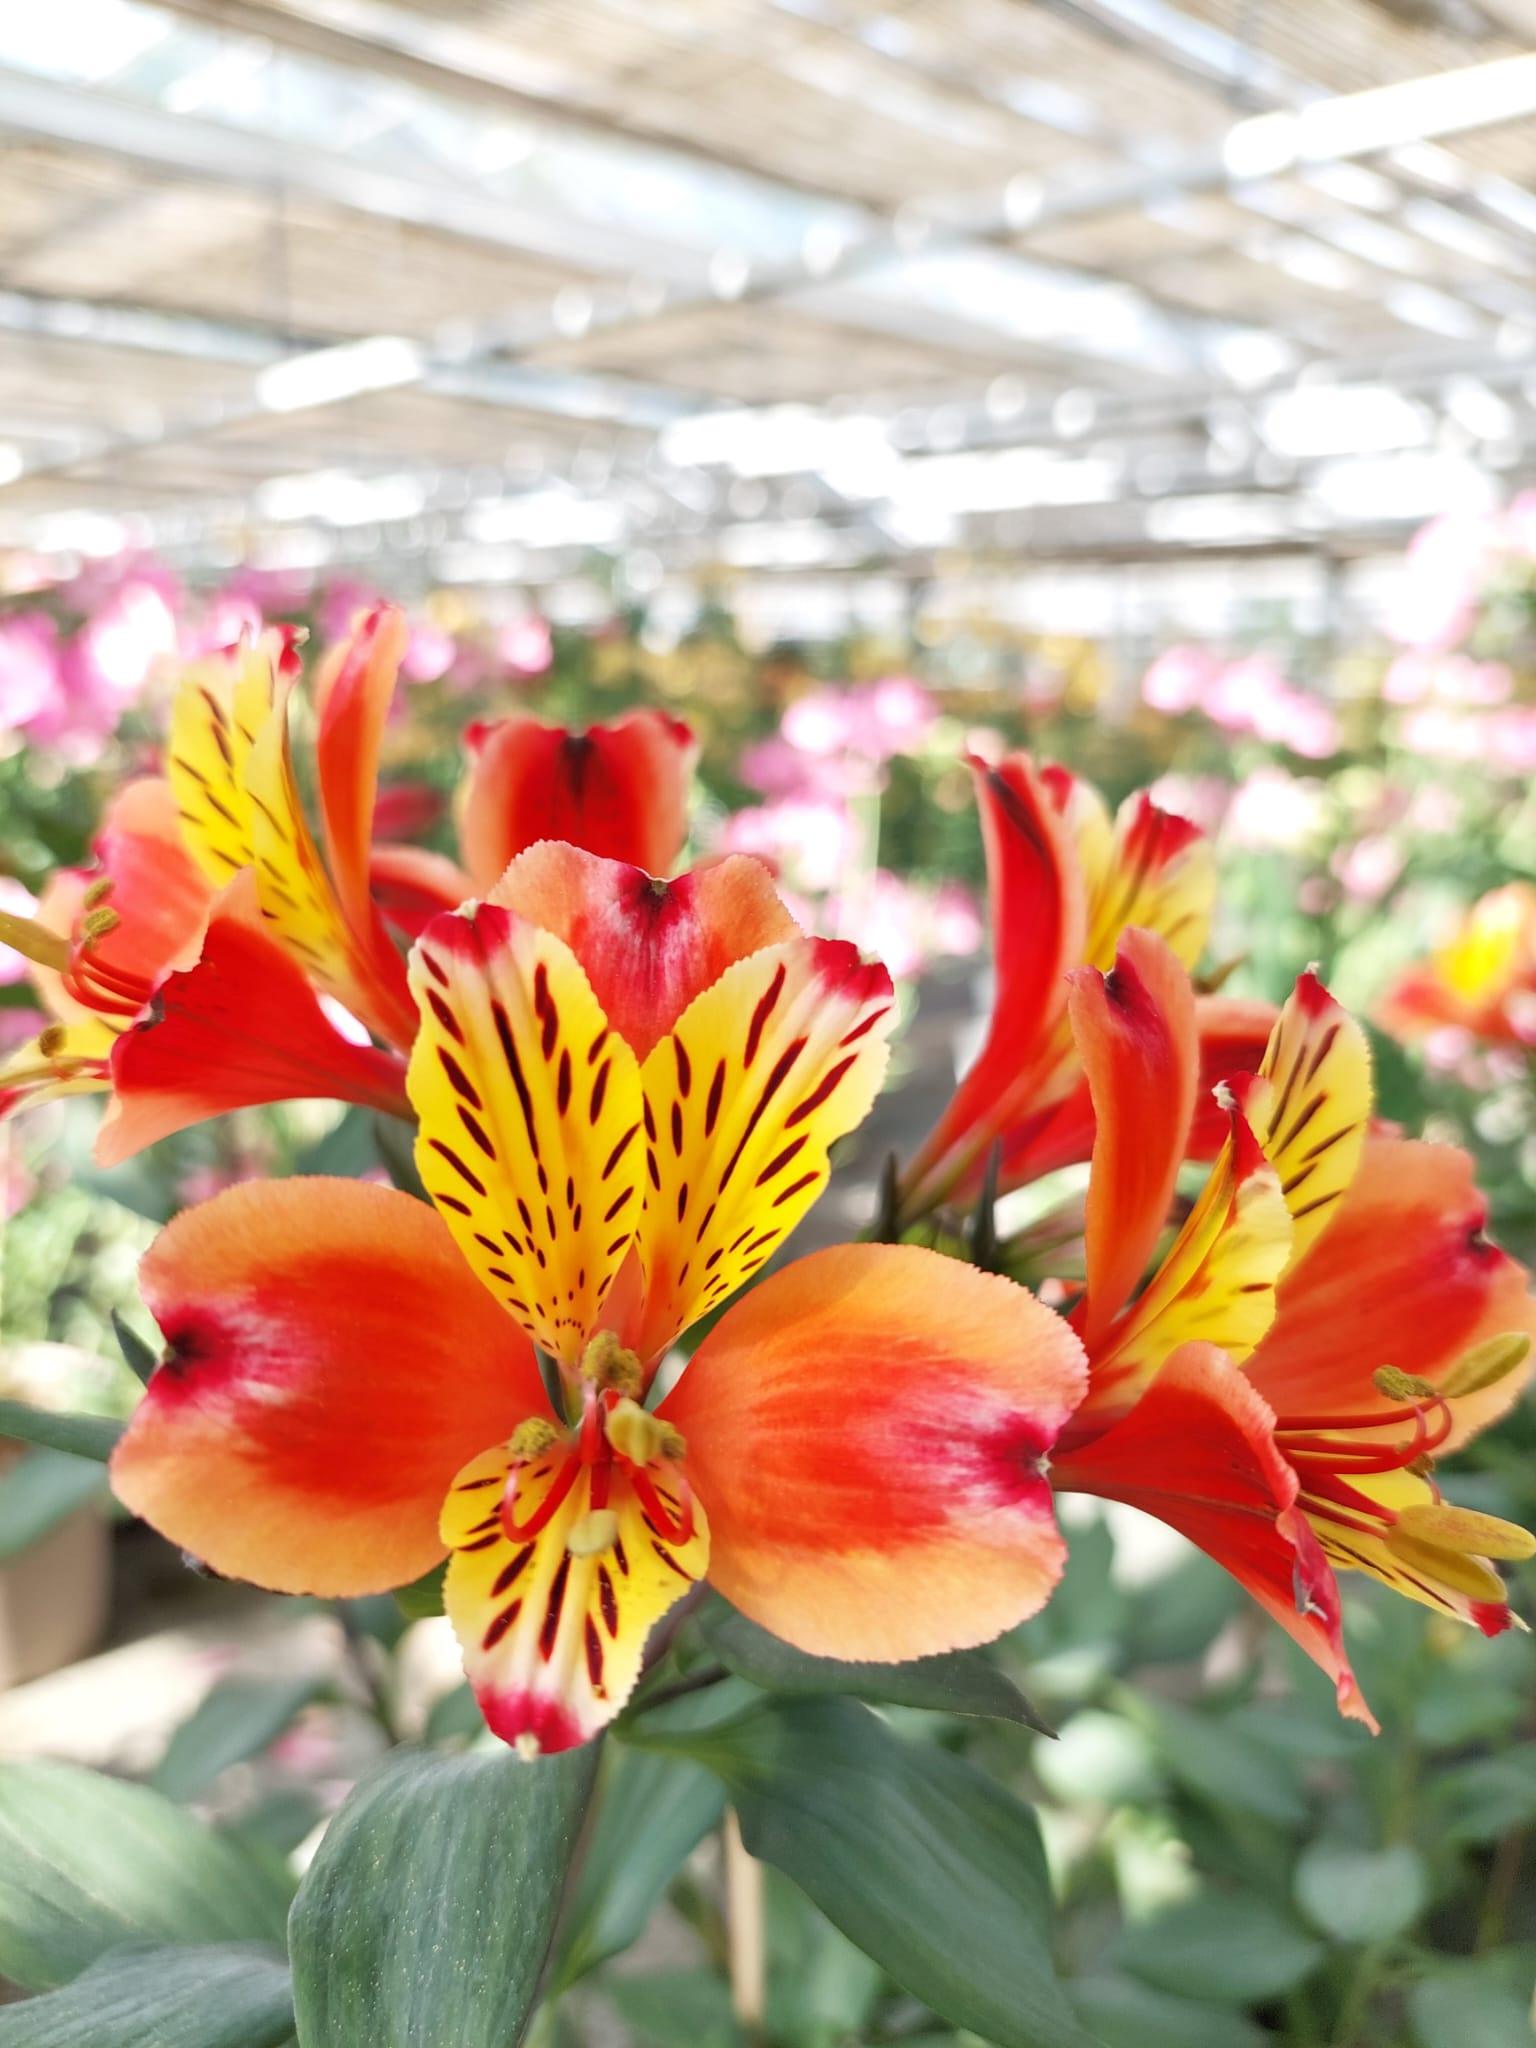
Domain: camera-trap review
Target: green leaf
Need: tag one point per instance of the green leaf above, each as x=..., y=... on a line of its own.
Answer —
x=1474, y=2006
x=652, y=1812
x=1124, y=2014
x=456, y=1714
x=84, y=1436
x=238, y=1719
x=141, y=1997
x=430, y=1904
x=87, y=1862
x=41, y=1490
x=1223, y=1764
x=395, y=1141
x=925, y=1864
x=1361, y=1895
x=423, y=1597
x=140, y=1356
x=820, y=1987
x=1227, y=1947
x=676, y=2009
x=964, y=1682
x=1487, y=1798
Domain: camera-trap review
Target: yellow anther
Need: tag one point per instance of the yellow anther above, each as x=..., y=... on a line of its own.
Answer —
x=596, y=1532
x=1403, y=1386
x=97, y=924
x=98, y=892
x=1465, y=1531
x=1486, y=1364
x=641, y=1437
x=532, y=1438
x=607, y=1363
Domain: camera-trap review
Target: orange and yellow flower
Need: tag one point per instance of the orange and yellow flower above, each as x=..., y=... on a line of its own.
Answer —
x=1482, y=981
x=186, y=972
x=627, y=1090
x=1328, y=1319
x=1065, y=881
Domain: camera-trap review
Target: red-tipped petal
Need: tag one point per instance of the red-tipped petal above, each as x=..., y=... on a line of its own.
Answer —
x=866, y=1431
x=648, y=947
x=333, y=1363
x=240, y=1026
x=1198, y=1452
x=1135, y=1035
x=618, y=790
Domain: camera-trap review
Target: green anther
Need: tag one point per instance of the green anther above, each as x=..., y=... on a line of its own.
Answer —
x=98, y=892
x=1486, y=1364
x=99, y=923
x=1403, y=1386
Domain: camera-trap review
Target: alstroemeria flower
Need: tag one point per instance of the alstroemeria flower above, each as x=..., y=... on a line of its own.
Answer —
x=627, y=1092
x=1329, y=1317
x=1481, y=981
x=1065, y=881
x=188, y=972
x=617, y=790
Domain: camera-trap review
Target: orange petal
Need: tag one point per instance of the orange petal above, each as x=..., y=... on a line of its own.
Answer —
x=743, y=1100
x=648, y=947
x=618, y=790
x=240, y=1026
x=866, y=1430
x=353, y=693
x=332, y=1364
x=1403, y=1276
x=1198, y=1452
x=531, y=1114
x=1135, y=1035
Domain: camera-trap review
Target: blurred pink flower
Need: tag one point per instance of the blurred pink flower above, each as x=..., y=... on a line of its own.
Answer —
x=429, y=652
x=1179, y=679
x=1242, y=693
x=273, y=593
x=1442, y=572
x=1203, y=799
x=527, y=646
x=810, y=842
x=872, y=720
x=1368, y=868
x=119, y=645
x=1276, y=811
x=340, y=603
x=31, y=675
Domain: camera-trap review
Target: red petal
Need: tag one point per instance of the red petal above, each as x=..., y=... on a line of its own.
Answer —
x=1038, y=931
x=648, y=947
x=1234, y=1034
x=412, y=886
x=240, y=1026
x=1198, y=1452
x=1135, y=1035
x=618, y=790
x=865, y=1431
x=333, y=1363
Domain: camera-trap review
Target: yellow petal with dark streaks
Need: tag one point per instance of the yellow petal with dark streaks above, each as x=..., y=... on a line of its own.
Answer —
x=220, y=707
x=531, y=1139
x=553, y=1629
x=1311, y=1105
x=743, y=1098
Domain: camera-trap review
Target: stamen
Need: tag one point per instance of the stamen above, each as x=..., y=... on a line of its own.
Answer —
x=555, y=1499
x=593, y=1534
x=641, y=1437
x=1403, y=1386
x=25, y=935
x=607, y=1363
x=98, y=892
x=532, y=1438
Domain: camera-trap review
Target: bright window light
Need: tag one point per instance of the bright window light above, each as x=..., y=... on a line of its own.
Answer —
x=1343, y=419
x=329, y=374
x=1387, y=117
